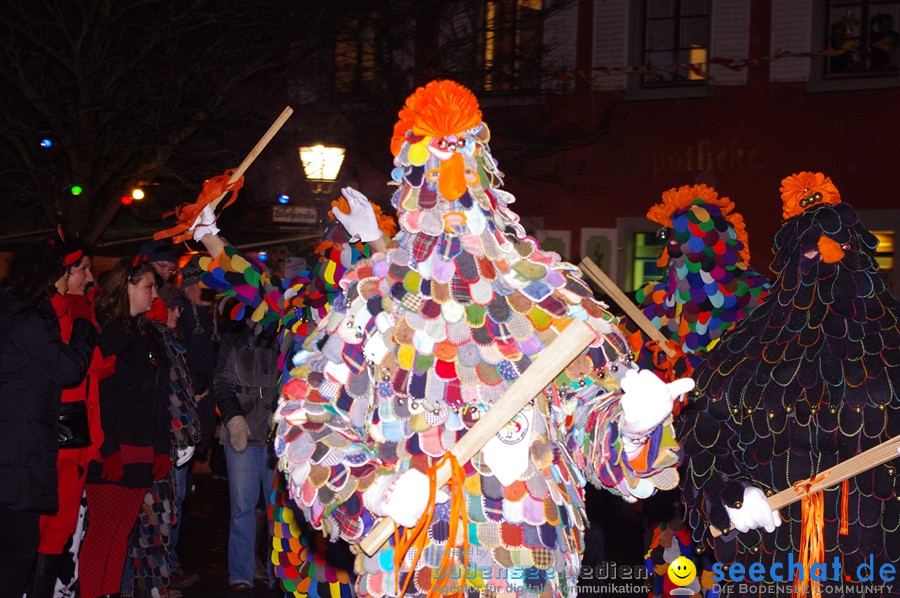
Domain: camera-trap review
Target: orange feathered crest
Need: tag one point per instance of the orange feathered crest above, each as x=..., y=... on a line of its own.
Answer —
x=806, y=189
x=439, y=109
x=675, y=200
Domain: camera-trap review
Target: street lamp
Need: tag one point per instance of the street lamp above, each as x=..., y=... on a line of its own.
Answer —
x=321, y=163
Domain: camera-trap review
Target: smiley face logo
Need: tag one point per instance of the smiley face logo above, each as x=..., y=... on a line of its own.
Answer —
x=682, y=571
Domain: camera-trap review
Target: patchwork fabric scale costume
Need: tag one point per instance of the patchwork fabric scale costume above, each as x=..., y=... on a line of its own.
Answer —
x=708, y=284
x=303, y=561
x=806, y=381
x=426, y=337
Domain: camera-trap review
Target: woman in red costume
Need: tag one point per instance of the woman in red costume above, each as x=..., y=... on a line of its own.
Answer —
x=71, y=463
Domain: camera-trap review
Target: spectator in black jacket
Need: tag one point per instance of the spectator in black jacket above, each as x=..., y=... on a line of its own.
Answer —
x=198, y=334
x=134, y=413
x=35, y=365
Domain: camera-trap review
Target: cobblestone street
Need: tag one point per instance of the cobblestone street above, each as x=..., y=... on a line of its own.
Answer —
x=203, y=547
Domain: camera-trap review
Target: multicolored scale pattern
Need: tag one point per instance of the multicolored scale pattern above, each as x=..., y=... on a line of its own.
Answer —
x=148, y=543
x=149, y=539
x=807, y=380
x=182, y=404
x=305, y=562
x=302, y=558
x=427, y=336
x=707, y=286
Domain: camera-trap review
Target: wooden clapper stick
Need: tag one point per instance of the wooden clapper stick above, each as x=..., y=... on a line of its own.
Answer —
x=555, y=356
x=215, y=244
x=606, y=285
x=832, y=476
x=260, y=145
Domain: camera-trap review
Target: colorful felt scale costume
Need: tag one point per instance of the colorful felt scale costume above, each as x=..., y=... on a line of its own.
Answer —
x=427, y=336
x=708, y=284
x=304, y=562
x=807, y=380
x=668, y=541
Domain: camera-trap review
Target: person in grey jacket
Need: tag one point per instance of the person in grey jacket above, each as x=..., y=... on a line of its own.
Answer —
x=246, y=390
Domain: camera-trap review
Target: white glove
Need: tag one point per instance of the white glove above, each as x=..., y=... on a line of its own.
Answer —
x=648, y=401
x=184, y=455
x=205, y=224
x=754, y=512
x=360, y=222
x=238, y=432
x=402, y=496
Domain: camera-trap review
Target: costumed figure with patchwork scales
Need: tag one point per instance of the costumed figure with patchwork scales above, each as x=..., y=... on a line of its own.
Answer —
x=425, y=338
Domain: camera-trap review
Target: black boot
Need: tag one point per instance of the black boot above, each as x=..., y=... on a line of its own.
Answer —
x=45, y=574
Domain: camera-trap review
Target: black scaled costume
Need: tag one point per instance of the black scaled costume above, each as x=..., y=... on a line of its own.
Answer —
x=808, y=380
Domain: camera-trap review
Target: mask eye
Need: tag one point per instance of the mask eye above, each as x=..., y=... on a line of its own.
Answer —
x=663, y=233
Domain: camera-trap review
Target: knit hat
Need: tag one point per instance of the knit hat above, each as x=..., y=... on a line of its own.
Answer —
x=172, y=297
x=157, y=251
x=191, y=272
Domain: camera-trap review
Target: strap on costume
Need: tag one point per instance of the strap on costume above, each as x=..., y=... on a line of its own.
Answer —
x=417, y=538
x=845, y=497
x=812, y=538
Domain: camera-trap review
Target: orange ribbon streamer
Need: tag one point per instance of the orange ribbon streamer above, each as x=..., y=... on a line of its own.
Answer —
x=812, y=538
x=186, y=214
x=845, y=497
x=417, y=537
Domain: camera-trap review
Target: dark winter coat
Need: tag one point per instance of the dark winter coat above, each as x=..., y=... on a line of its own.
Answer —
x=246, y=381
x=196, y=333
x=134, y=405
x=35, y=365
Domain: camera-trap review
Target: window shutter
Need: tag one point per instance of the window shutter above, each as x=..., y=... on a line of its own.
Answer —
x=611, y=24
x=730, y=39
x=791, y=32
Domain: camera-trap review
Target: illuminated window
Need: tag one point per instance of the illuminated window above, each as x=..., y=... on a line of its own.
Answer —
x=864, y=38
x=512, y=44
x=647, y=248
x=884, y=254
x=885, y=225
x=676, y=38
x=372, y=53
x=354, y=57
x=858, y=45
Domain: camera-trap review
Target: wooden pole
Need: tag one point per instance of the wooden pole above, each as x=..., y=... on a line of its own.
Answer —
x=260, y=145
x=606, y=285
x=832, y=476
x=555, y=356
